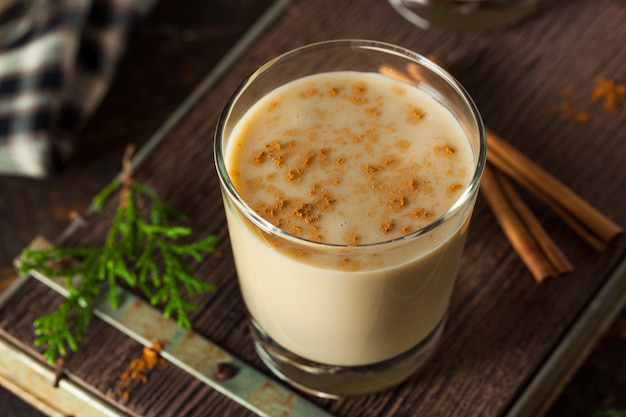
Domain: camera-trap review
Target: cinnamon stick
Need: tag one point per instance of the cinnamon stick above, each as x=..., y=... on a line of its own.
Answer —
x=593, y=226
x=518, y=232
x=552, y=252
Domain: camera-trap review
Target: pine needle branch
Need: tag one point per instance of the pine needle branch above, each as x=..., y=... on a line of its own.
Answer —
x=139, y=253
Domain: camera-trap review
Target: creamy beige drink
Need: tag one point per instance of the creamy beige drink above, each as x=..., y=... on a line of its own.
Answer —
x=348, y=160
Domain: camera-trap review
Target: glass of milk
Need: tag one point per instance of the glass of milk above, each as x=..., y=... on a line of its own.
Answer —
x=348, y=191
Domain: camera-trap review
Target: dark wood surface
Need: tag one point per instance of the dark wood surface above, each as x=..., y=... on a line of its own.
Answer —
x=502, y=325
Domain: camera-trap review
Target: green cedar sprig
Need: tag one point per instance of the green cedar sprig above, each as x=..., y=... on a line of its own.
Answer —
x=142, y=254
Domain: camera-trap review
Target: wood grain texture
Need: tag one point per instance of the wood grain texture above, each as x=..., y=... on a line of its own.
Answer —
x=502, y=325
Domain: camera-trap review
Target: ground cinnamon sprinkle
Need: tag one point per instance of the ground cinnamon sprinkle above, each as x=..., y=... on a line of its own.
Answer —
x=358, y=100
x=446, y=149
x=415, y=115
x=454, y=187
x=355, y=240
x=138, y=369
x=373, y=111
x=307, y=159
x=567, y=111
x=294, y=174
x=308, y=93
x=386, y=227
x=280, y=203
x=421, y=213
x=359, y=88
x=303, y=212
x=369, y=169
x=395, y=204
x=611, y=93
x=258, y=158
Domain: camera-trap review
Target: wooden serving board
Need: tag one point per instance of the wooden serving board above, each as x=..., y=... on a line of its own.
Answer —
x=510, y=343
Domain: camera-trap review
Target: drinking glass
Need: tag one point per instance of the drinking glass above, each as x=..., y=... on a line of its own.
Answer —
x=328, y=329
x=464, y=14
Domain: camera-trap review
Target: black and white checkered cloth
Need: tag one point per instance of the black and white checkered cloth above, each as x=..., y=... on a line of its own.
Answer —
x=54, y=77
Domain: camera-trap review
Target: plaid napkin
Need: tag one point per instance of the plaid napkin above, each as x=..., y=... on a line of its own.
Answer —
x=54, y=76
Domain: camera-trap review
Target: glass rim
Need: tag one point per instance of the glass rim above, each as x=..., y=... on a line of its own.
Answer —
x=470, y=190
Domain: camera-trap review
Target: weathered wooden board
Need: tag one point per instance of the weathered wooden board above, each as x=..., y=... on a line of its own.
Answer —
x=502, y=326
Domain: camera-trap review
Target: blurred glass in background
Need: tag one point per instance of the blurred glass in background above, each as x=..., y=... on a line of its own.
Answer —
x=464, y=14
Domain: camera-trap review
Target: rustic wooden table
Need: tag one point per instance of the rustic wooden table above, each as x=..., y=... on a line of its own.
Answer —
x=505, y=331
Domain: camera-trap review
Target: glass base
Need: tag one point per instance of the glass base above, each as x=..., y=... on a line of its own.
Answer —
x=469, y=15
x=331, y=381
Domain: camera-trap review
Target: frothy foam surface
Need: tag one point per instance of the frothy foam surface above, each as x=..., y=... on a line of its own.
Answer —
x=349, y=158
